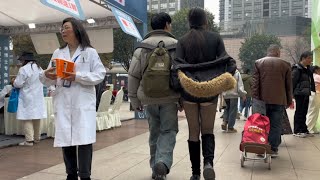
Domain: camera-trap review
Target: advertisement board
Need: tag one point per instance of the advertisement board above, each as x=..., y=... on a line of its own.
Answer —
x=71, y=7
x=134, y=8
x=5, y=56
x=126, y=23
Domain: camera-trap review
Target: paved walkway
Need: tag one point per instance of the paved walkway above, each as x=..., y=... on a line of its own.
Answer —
x=299, y=159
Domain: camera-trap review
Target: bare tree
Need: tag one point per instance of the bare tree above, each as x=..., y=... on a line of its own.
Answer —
x=295, y=49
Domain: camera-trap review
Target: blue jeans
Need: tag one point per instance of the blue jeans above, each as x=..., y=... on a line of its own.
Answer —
x=230, y=113
x=163, y=127
x=274, y=113
x=245, y=105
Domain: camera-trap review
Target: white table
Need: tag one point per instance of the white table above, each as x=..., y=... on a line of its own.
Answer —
x=14, y=126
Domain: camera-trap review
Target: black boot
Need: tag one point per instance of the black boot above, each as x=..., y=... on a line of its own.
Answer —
x=208, y=145
x=72, y=177
x=194, y=153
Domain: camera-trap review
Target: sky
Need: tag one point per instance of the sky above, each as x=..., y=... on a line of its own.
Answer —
x=213, y=7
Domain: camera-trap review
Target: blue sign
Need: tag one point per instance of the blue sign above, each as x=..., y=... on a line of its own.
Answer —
x=71, y=7
x=126, y=23
x=4, y=60
x=135, y=8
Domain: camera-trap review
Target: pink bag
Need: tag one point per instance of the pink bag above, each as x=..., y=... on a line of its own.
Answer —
x=256, y=129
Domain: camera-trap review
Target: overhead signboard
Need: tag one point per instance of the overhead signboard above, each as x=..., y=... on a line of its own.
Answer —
x=126, y=23
x=134, y=8
x=71, y=7
x=4, y=60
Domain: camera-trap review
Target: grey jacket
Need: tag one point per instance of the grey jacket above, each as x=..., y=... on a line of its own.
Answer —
x=137, y=66
x=238, y=91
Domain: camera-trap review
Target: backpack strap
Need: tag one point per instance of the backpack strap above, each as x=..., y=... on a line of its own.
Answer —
x=151, y=47
x=145, y=46
x=171, y=47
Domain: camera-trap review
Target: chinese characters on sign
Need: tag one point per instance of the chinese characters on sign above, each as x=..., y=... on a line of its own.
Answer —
x=4, y=60
x=126, y=23
x=71, y=7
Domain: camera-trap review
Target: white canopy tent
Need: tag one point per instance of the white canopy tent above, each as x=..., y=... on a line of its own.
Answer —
x=15, y=15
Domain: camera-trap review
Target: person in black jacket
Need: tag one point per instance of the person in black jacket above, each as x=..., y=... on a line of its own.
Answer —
x=303, y=86
x=199, y=64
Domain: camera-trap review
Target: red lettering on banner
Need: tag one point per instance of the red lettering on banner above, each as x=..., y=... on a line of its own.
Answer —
x=74, y=7
x=65, y=3
x=124, y=22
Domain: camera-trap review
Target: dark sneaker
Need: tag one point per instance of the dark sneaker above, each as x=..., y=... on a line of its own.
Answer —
x=224, y=125
x=195, y=177
x=274, y=154
x=160, y=171
x=208, y=172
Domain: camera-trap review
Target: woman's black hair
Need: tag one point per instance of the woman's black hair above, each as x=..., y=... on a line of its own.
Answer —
x=33, y=62
x=79, y=32
x=315, y=68
x=197, y=21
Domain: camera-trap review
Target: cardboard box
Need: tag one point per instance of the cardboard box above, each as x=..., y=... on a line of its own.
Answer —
x=63, y=66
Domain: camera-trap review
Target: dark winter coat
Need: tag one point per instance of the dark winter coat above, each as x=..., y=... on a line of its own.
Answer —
x=198, y=75
x=302, y=80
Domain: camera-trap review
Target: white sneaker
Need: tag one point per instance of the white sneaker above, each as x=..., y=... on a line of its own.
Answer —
x=309, y=135
x=301, y=135
x=25, y=143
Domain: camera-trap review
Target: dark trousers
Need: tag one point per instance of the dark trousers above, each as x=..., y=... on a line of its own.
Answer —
x=274, y=113
x=301, y=114
x=84, y=159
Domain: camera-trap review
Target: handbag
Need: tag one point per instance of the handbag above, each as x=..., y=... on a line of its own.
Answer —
x=13, y=101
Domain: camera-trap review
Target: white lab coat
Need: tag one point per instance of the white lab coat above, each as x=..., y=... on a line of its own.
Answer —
x=75, y=106
x=6, y=89
x=31, y=100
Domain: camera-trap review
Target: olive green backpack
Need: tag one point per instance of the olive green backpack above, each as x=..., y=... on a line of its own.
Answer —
x=156, y=74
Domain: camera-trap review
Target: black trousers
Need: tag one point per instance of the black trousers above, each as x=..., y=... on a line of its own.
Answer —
x=300, y=114
x=84, y=160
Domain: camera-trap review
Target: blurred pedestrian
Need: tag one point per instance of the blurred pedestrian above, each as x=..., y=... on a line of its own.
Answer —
x=270, y=71
x=231, y=99
x=303, y=87
x=314, y=104
x=31, y=104
x=245, y=103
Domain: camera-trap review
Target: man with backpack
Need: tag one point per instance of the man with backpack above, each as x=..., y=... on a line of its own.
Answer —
x=272, y=84
x=148, y=86
x=303, y=86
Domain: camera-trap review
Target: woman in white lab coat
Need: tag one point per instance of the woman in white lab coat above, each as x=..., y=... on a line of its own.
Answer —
x=74, y=99
x=31, y=105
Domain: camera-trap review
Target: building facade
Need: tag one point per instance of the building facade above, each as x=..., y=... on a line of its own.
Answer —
x=172, y=6
x=235, y=13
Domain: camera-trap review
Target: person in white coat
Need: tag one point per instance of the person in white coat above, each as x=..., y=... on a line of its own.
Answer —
x=74, y=99
x=31, y=104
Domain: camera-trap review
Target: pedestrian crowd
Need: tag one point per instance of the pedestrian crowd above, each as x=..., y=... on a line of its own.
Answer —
x=166, y=75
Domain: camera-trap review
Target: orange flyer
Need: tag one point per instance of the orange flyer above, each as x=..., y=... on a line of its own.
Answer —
x=63, y=66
